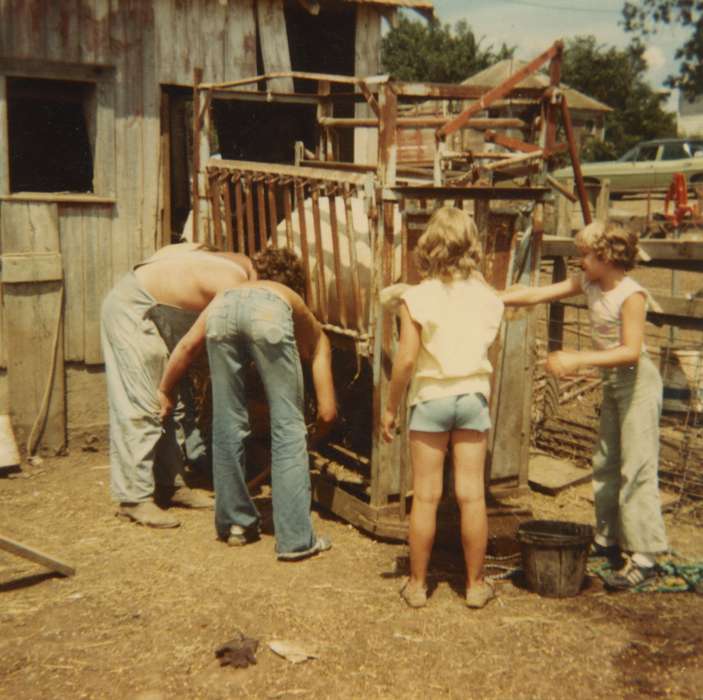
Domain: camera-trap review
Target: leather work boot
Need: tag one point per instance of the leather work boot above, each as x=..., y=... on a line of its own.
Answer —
x=189, y=498
x=147, y=513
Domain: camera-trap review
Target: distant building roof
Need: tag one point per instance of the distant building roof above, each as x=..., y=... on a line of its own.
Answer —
x=501, y=71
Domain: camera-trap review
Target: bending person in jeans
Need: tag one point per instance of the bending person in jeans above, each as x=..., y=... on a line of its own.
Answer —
x=269, y=323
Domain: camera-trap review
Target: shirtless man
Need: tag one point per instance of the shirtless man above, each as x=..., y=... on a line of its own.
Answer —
x=269, y=323
x=144, y=454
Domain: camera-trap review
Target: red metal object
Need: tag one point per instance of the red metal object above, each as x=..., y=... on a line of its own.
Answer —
x=678, y=193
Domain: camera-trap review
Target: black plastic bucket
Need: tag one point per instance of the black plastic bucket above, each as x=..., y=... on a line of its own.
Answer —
x=554, y=555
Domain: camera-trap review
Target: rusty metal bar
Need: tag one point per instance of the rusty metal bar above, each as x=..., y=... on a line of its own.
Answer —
x=271, y=184
x=251, y=226
x=302, y=75
x=486, y=100
x=319, y=255
x=261, y=207
x=561, y=189
x=334, y=231
x=227, y=201
x=304, y=250
x=239, y=206
x=422, y=122
x=353, y=263
x=575, y=163
x=288, y=213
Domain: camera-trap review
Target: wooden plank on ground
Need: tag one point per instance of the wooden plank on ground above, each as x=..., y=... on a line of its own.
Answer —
x=551, y=476
x=33, y=323
x=22, y=550
x=9, y=454
x=273, y=39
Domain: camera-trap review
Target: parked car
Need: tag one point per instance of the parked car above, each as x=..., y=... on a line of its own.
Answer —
x=650, y=164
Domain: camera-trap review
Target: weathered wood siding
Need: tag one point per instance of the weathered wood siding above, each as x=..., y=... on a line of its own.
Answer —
x=145, y=44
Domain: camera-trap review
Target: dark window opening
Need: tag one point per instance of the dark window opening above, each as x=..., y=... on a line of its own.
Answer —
x=51, y=132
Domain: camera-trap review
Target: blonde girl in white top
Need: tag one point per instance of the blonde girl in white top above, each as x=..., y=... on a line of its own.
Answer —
x=627, y=504
x=447, y=324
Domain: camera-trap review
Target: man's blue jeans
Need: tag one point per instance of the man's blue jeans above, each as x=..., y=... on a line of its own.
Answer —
x=256, y=324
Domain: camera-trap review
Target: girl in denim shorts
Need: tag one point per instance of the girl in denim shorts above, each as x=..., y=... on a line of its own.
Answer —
x=447, y=324
x=626, y=492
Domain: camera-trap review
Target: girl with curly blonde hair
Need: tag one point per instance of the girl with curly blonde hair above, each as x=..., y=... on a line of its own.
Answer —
x=629, y=525
x=447, y=324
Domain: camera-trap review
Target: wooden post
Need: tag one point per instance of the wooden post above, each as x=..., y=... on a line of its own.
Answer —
x=383, y=463
x=195, y=205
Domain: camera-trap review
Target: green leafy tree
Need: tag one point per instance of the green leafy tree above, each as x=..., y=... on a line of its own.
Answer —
x=434, y=52
x=646, y=17
x=617, y=78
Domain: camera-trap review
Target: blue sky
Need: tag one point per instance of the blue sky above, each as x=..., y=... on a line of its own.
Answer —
x=532, y=25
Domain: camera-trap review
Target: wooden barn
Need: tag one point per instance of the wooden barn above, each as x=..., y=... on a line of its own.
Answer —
x=95, y=142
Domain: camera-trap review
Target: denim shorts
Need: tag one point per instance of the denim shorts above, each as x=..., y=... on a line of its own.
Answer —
x=461, y=412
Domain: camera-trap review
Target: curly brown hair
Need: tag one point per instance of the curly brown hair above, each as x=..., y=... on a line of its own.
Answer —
x=280, y=265
x=611, y=243
x=450, y=245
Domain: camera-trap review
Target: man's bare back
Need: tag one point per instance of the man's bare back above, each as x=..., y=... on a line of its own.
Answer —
x=190, y=279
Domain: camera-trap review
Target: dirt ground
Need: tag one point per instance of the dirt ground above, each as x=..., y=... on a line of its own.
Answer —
x=146, y=610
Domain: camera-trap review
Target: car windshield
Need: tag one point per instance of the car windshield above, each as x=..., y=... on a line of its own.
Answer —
x=696, y=148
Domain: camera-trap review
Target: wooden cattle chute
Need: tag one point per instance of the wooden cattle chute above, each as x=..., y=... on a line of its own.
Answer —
x=245, y=206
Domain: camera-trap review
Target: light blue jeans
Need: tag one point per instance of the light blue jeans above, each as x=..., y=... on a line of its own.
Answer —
x=625, y=463
x=256, y=324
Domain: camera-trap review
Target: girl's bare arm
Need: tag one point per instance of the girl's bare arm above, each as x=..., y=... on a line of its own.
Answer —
x=403, y=365
x=528, y=296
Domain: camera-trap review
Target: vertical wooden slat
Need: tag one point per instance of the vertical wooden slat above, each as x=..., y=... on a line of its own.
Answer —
x=273, y=40
x=227, y=203
x=165, y=178
x=4, y=143
x=273, y=214
x=63, y=30
x=212, y=26
x=143, y=14
x=101, y=31
x=319, y=255
x=197, y=79
x=403, y=240
x=251, y=226
x=353, y=263
x=216, y=208
x=240, y=42
x=239, y=207
x=74, y=260
x=338, y=281
x=261, y=206
x=127, y=134
x=304, y=250
x=97, y=277
x=367, y=53
x=288, y=212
